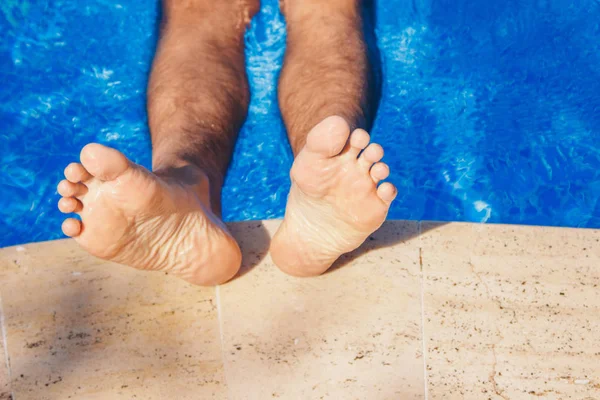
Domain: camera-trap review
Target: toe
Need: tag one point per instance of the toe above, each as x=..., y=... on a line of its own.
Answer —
x=71, y=227
x=76, y=172
x=359, y=139
x=69, y=205
x=70, y=189
x=104, y=162
x=372, y=154
x=329, y=137
x=387, y=192
x=379, y=171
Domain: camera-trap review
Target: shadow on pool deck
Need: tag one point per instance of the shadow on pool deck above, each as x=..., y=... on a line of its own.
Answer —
x=255, y=239
x=253, y=250
x=387, y=236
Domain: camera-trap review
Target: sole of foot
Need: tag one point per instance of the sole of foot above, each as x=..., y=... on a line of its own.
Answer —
x=336, y=200
x=134, y=217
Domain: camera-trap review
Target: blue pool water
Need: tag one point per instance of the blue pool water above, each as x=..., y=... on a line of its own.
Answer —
x=490, y=110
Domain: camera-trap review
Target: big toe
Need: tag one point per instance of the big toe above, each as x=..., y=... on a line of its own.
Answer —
x=103, y=162
x=328, y=137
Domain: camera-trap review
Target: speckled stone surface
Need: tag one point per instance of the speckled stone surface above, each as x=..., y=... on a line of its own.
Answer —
x=422, y=311
x=5, y=392
x=511, y=312
x=354, y=333
x=85, y=329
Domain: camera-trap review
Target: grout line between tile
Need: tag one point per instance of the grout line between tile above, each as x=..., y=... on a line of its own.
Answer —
x=423, y=341
x=222, y=340
x=5, y=346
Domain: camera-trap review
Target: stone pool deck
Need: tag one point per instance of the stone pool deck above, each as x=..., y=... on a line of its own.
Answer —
x=423, y=311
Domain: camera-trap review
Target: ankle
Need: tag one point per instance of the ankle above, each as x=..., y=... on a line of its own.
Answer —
x=182, y=173
x=206, y=186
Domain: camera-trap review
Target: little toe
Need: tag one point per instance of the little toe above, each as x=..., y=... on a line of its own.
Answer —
x=70, y=189
x=359, y=139
x=71, y=227
x=76, y=172
x=379, y=172
x=387, y=192
x=104, y=162
x=69, y=205
x=328, y=138
x=372, y=154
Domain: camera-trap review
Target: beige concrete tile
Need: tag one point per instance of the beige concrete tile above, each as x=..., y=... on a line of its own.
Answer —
x=85, y=329
x=511, y=240
x=5, y=391
x=354, y=333
x=511, y=312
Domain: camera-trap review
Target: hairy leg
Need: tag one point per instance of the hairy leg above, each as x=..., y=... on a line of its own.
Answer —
x=326, y=70
x=168, y=219
x=335, y=201
x=198, y=92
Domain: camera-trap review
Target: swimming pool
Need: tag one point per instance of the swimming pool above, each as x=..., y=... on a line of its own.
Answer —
x=490, y=111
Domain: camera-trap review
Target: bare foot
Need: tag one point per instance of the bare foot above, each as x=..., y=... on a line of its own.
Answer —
x=136, y=218
x=334, y=203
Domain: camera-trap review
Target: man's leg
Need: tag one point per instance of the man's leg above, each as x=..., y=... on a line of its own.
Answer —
x=335, y=202
x=168, y=219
